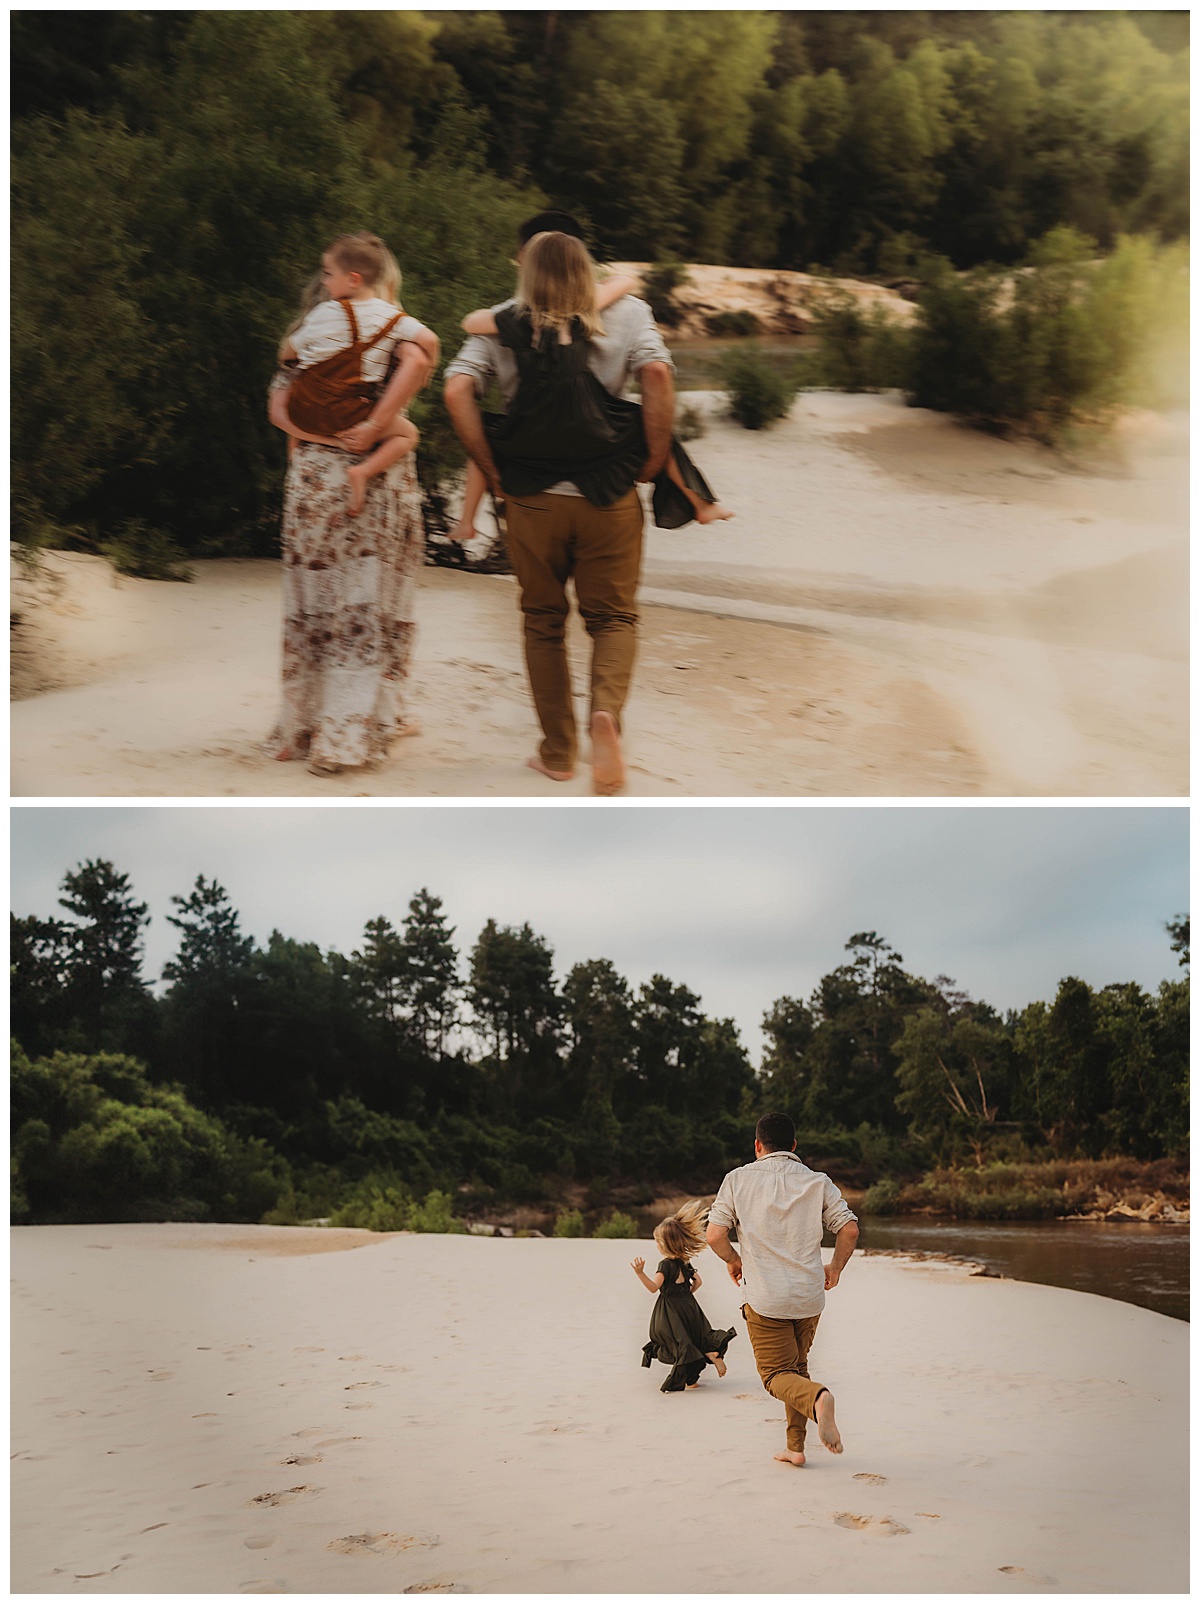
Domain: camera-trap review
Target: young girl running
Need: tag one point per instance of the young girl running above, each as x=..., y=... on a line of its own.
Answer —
x=338, y=352
x=562, y=407
x=680, y=1335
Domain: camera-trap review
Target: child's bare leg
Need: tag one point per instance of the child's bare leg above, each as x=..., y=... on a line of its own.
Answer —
x=464, y=529
x=707, y=512
x=401, y=438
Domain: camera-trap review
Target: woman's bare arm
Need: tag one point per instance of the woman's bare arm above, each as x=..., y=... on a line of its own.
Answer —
x=614, y=288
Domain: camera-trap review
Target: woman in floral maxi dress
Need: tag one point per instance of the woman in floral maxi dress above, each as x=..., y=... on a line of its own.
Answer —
x=349, y=584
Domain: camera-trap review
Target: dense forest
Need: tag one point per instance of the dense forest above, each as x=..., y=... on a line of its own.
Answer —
x=175, y=175
x=289, y=1082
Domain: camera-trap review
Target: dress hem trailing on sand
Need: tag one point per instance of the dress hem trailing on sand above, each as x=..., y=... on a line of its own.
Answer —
x=349, y=585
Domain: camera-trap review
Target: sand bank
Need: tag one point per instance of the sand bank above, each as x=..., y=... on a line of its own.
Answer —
x=901, y=607
x=455, y=1414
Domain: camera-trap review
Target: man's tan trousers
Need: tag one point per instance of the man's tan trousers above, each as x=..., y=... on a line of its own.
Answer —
x=551, y=539
x=781, y=1354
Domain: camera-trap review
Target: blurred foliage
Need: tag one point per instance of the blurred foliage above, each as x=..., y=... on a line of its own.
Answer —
x=616, y=1225
x=410, y=1083
x=758, y=394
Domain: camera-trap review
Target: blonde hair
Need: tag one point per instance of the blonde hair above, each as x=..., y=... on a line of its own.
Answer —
x=681, y=1235
x=558, y=284
x=387, y=285
x=312, y=295
x=364, y=254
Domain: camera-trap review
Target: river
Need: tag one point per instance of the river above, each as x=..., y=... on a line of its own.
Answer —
x=1134, y=1262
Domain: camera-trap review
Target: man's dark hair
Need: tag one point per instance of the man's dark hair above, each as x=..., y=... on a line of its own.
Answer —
x=776, y=1133
x=549, y=223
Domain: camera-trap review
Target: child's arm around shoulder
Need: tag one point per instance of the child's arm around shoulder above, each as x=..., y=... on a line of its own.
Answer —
x=614, y=288
x=480, y=322
x=651, y=1283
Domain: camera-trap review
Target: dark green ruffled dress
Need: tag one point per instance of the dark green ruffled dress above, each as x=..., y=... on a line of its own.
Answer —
x=563, y=424
x=680, y=1335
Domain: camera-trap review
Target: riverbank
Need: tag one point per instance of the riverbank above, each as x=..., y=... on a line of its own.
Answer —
x=195, y=1410
x=902, y=606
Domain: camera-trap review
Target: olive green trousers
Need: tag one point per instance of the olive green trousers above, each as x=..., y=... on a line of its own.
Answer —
x=781, y=1354
x=552, y=539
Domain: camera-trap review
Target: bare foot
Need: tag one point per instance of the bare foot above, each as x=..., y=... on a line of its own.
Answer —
x=826, y=1424
x=788, y=1457
x=358, y=476
x=462, y=531
x=408, y=726
x=717, y=1362
x=712, y=512
x=551, y=774
x=608, y=764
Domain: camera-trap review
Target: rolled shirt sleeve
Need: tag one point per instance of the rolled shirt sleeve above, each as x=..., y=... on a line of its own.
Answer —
x=646, y=341
x=835, y=1211
x=722, y=1212
x=476, y=358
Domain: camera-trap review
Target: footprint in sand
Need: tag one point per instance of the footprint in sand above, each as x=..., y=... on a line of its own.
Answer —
x=378, y=1543
x=358, y=1406
x=866, y=1475
x=437, y=1587
x=1028, y=1576
x=399, y=1369
x=883, y=1525
x=69, y=1414
x=356, y=1386
x=300, y=1459
x=925, y=1515
x=344, y=1358
x=336, y=1442
x=310, y=1431
x=751, y=1395
x=289, y=1495
x=258, y=1542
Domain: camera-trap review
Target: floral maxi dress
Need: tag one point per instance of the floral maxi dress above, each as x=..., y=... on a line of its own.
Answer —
x=349, y=585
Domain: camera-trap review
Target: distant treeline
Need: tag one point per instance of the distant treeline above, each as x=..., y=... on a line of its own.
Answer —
x=175, y=175
x=287, y=1080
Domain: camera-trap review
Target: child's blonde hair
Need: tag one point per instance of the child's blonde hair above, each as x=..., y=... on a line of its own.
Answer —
x=558, y=284
x=387, y=285
x=364, y=254
x=681, y=1235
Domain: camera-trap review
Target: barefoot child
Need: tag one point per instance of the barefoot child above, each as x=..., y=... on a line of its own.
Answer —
x=340, y=350
x=680, y=1335
x=569, y=325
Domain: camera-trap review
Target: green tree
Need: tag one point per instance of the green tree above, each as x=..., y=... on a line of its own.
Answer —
x=210, y=976
x=429, y=983
x=598, y=1011
x=105, y=990
x=517, y=1009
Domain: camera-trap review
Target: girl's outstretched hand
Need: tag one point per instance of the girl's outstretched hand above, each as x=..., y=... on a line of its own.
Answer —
x=638, y=1265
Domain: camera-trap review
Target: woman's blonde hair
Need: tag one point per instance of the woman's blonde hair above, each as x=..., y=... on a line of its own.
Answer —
x=558, y=284
x=311, y=296
x=387, y=285
x=681, y=1235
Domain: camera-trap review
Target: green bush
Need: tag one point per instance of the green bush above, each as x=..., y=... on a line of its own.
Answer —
x=736, y=323
x=659, y=284
x=569, y=1223
x=617, y=1225
x=881, y=1198
x=758, y=395
x=435, y=1215
x=145, y=553
x=376, y=1206
x=860, y=350
x=690, y=422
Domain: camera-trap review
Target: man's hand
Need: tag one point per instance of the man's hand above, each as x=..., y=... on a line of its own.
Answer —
x=734, y=1266
x=658, y=416
x=832, y=1277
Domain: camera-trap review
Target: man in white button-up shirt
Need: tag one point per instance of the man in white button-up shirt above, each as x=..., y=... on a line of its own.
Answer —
x=780, y=1210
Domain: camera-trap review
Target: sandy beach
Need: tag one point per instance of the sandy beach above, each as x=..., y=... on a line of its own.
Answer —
x=247, y=1409
x=902, y=607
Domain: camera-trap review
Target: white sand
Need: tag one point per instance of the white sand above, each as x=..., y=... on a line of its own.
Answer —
x=194, y=1411
x=901, y=607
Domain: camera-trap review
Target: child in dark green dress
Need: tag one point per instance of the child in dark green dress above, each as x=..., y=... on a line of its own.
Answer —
x=562, y=424
x=680, y=1335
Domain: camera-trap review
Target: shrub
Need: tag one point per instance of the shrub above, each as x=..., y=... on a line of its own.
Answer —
x=435, y=1214
x=881, y=1198
x=376, y=1206
x=758, y=396
x=739, y=323
x=690, y=422
x=569, y=1223
x=658, y=286
x=860, y=350
x=145, y=553
x=617, y=1225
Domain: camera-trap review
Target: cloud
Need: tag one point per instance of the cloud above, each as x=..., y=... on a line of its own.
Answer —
x=741, y=904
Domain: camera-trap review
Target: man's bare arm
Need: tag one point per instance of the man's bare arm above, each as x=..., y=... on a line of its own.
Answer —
x=717, y=1237
x=844, y=1244
x=658, y=415
x=463, y=406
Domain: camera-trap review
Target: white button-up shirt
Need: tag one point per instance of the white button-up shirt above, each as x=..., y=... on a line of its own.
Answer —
x=780, y=1210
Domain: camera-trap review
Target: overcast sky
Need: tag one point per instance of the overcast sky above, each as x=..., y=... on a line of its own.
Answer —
x=743, y=905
